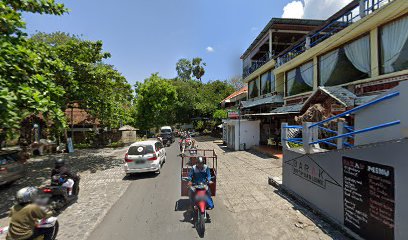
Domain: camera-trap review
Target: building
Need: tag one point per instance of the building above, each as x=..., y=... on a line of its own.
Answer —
x=346, y=60
x=238, y=134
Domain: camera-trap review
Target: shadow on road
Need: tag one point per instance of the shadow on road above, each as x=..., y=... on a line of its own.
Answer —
x=138, y=176
x=38, y=171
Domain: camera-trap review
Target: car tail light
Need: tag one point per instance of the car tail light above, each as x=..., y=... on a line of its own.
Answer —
x=47, y=190
x=3, y=169
x=153, y=158
x=127, y=159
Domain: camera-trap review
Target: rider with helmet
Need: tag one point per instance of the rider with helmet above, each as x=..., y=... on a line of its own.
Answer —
x=200, y=173
x=25, y=215
x=62, y=174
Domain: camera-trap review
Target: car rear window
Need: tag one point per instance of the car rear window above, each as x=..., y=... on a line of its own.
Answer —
x=8, y=158
x=140, y=150
x=166, y=130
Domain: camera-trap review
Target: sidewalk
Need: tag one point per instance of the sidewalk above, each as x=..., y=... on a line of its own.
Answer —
x=100, y=187
x=260, y=209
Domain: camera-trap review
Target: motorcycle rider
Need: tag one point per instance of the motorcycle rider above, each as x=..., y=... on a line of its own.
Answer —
x=25, y=215
x=200, y=173
x=69, y=179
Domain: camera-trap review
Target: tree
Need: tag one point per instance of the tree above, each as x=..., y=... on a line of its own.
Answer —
x=198, y=68
x=156, y=99
x=184, y=69
x=237, y=82
x=27, y=70
x=92, y=84
x=220, y=114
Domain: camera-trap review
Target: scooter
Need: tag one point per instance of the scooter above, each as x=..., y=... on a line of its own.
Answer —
x=51, y=222
x=57, y=195
x=200, y=205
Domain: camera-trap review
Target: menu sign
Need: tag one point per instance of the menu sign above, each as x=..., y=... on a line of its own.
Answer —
x=368, y=190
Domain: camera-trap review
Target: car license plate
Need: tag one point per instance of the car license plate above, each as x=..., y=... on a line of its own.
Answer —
x=140, y=161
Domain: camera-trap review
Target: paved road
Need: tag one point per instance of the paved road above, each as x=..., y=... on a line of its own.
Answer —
x=147, y=210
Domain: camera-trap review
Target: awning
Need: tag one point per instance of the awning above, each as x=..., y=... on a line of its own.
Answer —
x=262, y=101
x=288, y=109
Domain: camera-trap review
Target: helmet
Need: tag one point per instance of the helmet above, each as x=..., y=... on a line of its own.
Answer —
x=59, y=162
x=200, y=160
x=27, y=195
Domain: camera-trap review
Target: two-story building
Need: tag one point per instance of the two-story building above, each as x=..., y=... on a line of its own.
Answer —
x=357, y=53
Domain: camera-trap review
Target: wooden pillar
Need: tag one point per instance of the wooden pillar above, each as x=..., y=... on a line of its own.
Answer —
x=315, y=73
x=375, y=56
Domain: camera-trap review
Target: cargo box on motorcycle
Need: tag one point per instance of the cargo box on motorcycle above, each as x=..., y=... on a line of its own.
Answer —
x=188, y=160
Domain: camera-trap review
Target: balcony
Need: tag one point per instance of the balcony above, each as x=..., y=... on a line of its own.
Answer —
x=257, y=64
x=345, y=17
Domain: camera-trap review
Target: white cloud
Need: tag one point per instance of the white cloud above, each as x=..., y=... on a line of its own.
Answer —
x=293, y=10
x=209, y=49
x=314, y=9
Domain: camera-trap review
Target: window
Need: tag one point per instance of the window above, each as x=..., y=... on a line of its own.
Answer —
x=140, y=150
x=394, y=46
x=300, y=79
x=346, y=64
x=266, y=83
x=253, y=88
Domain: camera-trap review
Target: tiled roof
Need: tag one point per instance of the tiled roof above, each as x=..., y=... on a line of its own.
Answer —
x=341, y=94
x=234, y=94
x=288, y=109
x=127, y=128
x=364, y=99
x=262, y=101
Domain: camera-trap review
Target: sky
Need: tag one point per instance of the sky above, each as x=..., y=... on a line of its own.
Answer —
x=149, y=36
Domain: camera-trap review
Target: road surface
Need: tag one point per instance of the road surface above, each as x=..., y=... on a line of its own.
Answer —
x=147, y=210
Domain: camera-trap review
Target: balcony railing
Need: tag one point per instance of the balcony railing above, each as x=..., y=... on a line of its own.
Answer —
x=257, y=64
x=331, y=28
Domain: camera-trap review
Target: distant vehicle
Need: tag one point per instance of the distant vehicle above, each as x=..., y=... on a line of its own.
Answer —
x=166, y=129
x=146, y=156
x=10, y=169
x=167, y=135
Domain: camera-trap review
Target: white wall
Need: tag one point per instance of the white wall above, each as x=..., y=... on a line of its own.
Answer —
x=250, y=132
x=383, y=112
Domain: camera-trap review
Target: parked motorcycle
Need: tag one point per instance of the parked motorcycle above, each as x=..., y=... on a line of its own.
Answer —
x=51, y=222
x=58, y=195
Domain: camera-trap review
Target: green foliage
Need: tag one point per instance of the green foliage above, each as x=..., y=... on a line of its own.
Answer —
x=184, y=69
x=220, y=114
x=27, y=70
x=156, y=99
x=198, y=68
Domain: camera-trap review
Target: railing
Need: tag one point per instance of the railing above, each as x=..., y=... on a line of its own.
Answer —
x=332, y=28
x=310, y=133
x=257, y=64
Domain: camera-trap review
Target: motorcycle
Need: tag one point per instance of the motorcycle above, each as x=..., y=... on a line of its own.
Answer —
x=58, y=195
x=51, y=222
x=200, y=205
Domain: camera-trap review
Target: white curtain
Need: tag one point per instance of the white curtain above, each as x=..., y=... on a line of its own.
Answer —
x=290, y=80
x=393, y=36
x=250, y=88
x=358, y=52
x=264, y=79
x=306, y=70
x=327, y=63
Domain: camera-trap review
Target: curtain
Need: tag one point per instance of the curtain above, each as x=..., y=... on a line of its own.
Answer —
x=306, y=71
x=327, y=63
x=273, y=87
x=290, y=80
x=393, y=38
x=264, y=83
x=358, y=52
x=250, y=88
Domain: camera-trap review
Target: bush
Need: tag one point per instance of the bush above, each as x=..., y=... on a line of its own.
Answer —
x=116, y=144
x=82, y=145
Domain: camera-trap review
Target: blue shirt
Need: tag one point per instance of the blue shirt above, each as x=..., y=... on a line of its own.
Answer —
x=197, y=176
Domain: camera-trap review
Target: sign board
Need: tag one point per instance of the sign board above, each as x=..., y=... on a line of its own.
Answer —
x=337, y=108
x=368, y=195
x=70, y=145
x=233, y=115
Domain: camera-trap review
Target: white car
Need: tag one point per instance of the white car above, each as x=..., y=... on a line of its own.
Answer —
x=146, y=156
